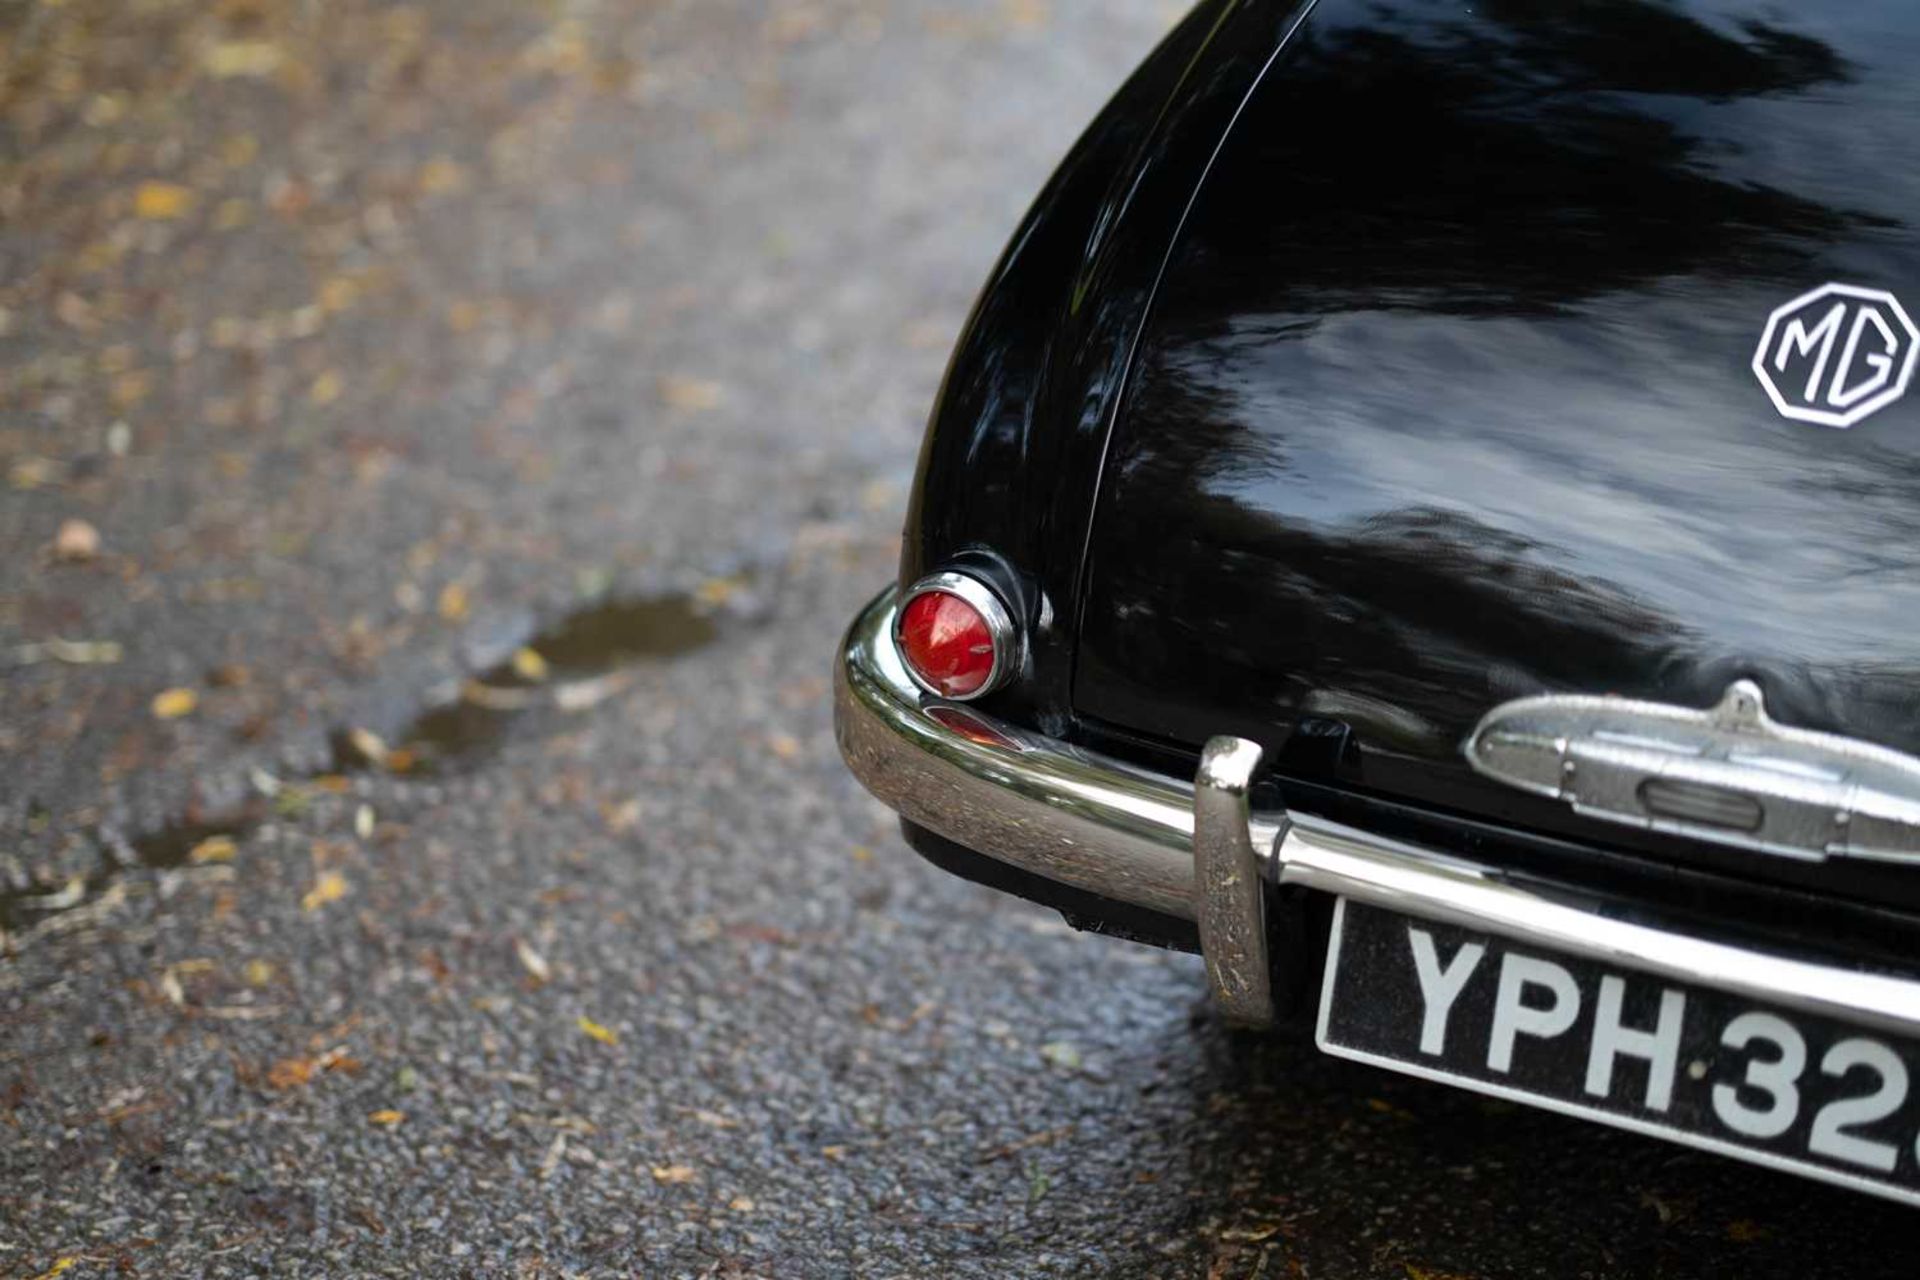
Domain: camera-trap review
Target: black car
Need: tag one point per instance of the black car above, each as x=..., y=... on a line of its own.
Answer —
x=1424, y=513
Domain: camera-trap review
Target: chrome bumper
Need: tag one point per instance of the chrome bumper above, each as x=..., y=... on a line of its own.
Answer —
x=1196, y=852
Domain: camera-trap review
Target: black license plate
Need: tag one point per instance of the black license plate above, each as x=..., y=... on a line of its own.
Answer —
x=1760, y=1082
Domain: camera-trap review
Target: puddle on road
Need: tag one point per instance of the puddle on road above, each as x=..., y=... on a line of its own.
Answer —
x=161, y=850
x=618, y=632
x=575, y=667
x=581, y=662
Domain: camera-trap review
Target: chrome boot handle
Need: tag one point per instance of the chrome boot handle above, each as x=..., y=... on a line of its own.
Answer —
x=1728, y=774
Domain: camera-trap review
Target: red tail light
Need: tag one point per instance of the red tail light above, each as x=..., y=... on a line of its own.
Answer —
x=955, y=636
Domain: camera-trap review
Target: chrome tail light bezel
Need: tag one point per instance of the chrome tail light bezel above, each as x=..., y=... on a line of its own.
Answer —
x=1006, y=637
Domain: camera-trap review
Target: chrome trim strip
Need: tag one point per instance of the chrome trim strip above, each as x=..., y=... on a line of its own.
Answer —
x=1008, y=650
x=1227, y=886
x=1128, y=834
x=1353, y=864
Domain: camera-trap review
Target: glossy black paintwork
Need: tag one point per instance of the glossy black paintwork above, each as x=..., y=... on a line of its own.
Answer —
x=1013, y=451
x=1443, y=398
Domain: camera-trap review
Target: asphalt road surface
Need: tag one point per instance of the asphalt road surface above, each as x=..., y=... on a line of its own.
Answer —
x=442, y=444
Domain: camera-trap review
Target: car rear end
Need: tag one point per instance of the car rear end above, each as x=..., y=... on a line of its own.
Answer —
x=1438, y=583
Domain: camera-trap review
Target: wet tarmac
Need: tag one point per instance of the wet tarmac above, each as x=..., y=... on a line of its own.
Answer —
x=423, y=843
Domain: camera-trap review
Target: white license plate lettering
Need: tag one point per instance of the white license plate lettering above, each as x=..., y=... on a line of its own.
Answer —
x=1440, y=985
x=1830, y=1135
x=1776, y=1077
x=1516, y=1014
x=1612, y=1040
x=1787, y=1088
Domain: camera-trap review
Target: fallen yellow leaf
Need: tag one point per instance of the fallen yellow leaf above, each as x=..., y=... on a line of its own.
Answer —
x=716, y=591
x=453, y=602
x=693, y=394
x=673, y=1173
x=171, y=704
x=326, y=388
x=386, y=1118
x=130, y=389
x=213, y=849
x=161, y=200
x=330, y=887
x=59, y=1268
x=529, y=665
x=337, y=293
x=605, y=1035
x=231, y=58
x=442, y=173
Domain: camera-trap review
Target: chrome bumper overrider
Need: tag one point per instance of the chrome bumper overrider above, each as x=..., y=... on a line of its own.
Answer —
x=1196, y=852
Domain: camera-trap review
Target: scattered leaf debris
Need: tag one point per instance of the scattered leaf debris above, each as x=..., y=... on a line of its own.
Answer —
x=453, y=605
x=694, y=395
x=76, y=540
x=172, y=704
x=529, y=665
x=1045, y=1137
x=66, y=896
x=330, y=887
x=231, y=59
x=290, y=1073
x=75, y=653
x=158, y=201
x=605, y=1035
x=371, y=747
x=213, y=849
x=536, y=964
x=1061, y=1053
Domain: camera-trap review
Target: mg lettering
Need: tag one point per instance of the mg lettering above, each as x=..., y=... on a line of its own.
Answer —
x=1836, y=354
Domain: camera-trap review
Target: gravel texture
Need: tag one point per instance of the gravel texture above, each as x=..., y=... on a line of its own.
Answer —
x=353, y=352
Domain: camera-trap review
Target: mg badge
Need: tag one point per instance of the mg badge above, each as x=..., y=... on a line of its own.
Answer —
x=1837, y=354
